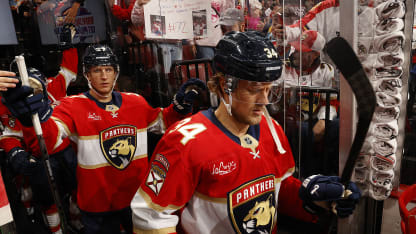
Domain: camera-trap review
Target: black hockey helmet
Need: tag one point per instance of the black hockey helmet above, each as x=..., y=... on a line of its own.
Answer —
x=248, y=56
x=99, y=55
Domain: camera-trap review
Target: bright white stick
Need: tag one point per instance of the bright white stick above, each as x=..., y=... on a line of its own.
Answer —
x=21, y=65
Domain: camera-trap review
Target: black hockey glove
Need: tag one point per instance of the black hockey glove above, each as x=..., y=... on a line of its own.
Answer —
x=329, y=188
x=184, y=98
x=22, y=104
x=23, y=162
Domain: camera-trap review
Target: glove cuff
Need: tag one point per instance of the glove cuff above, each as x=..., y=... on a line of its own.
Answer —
x=313, y=208
x=14, y=152
x=181, y=108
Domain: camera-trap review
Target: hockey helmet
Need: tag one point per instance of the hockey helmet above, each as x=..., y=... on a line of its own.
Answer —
x=99, y=55
x=248, y=56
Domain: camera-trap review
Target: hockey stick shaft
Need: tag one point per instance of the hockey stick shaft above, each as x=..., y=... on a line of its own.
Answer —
x=347, y=62
x=42, y=145
x=349, y=65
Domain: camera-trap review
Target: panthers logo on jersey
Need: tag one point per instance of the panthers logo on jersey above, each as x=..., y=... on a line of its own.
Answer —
x=252, y=206
x=118, y=144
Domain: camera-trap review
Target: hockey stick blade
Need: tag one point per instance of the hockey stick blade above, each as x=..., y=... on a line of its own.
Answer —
x=344, y=57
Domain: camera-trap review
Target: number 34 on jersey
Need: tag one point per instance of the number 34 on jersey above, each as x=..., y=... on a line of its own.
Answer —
x=189, y=131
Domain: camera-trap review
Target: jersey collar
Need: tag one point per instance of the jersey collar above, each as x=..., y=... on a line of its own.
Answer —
x=116, y=100
x=253, y=130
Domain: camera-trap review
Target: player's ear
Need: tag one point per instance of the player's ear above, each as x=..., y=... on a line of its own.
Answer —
x=223, y=85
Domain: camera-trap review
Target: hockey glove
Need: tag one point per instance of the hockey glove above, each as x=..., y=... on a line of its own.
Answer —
x=23, y=162
x=344, y=207
x=22, y=104
x=184, y=98
x=328, y=188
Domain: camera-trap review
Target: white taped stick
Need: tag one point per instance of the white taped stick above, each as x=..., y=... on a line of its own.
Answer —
x=273, y=131
x=21, y=65
x=20, y=60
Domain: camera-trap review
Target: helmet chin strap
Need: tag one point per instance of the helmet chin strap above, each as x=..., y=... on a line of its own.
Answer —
x=228, y=90
x=228, y=106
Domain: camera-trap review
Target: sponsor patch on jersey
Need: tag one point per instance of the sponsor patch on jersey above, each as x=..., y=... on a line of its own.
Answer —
x=252, y=206
x=93, y=116
x=223, y=167
x=118, y=145
x=156, y=178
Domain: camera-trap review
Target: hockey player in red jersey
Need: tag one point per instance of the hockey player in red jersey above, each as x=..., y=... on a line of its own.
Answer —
x=110, y=130
x=56, y=88
x=222, y=170
x=25, y=161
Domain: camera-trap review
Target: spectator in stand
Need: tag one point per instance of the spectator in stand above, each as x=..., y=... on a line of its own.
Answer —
x=231, y=20
x=121, y=10
x=254, y=21
x=306, y=69
x=72, y=12
x=323, y=18
x=171, y=49
x=204, y=47
x=309, y=4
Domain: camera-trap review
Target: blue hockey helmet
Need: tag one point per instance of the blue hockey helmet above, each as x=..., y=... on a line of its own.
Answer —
x=248, y=56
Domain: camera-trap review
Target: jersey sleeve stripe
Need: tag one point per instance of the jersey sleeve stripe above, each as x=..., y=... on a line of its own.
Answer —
x=68, y=75
x=158, y=231
x=63, y=132
x=63, y=125
x=11, y=132
x=288, y=173
x=154, y=206
x=212, y=199
x=159, y=124
x=19, y=138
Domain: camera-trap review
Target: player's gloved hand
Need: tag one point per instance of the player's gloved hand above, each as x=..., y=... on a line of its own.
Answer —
x=23, y=162
x=344, y=207
x=184, y=98
x=66, y=36
x=22, y=104
x=329, y=188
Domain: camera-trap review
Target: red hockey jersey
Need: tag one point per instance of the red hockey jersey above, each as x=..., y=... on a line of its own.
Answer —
x=111, y=144
x=224, y=184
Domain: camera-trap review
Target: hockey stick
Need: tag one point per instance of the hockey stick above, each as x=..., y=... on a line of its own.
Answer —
x=344, y=57
x=347, y=62
x=20, y=61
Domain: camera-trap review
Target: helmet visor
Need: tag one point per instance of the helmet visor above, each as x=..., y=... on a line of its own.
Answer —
x=254, y=92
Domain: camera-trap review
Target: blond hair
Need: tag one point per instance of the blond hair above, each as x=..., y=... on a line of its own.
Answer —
x=214, y=85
